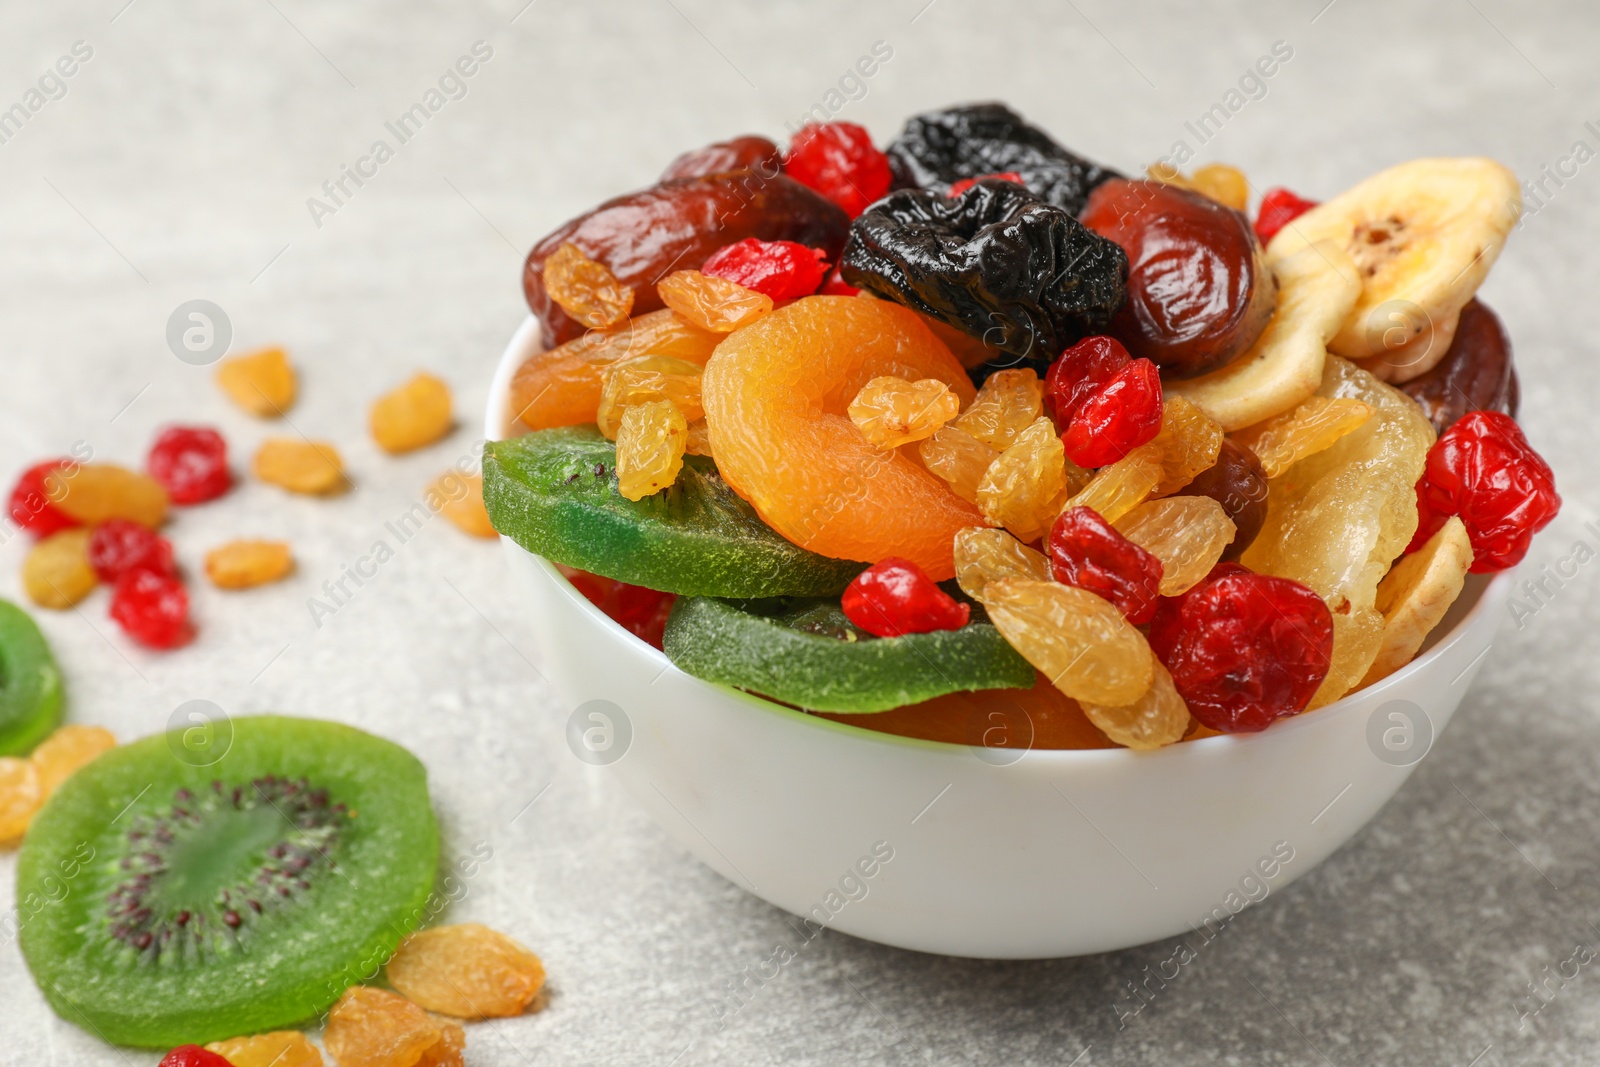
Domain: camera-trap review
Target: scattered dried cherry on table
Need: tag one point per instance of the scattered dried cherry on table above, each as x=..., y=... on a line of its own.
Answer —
x=1484, y=470
x=30, y=505
x=1088, y=552
x=839, y=160
x=118, y=546
x=1238, y=482
x=191, y=463
x=894, y=597
x=676, y=225
x=996, y=262
x=1476, y=373
x=153, y=608
x=1199, y=289
x=937, y=149
x=737, y=153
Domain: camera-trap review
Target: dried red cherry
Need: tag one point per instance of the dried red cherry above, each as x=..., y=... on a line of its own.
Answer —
x=957, y=188
x=839, y=160
x=1476, y=373
x=153, y=608
x=192, y=1056
x=747, y=151
x=1117, y=417
x=1238, y=482
x=1199, y=291
x=191, y=463
x=837, y=286
x=641, y=611
x=118, y=546
x=643, y=236
x=30, y=507
x=895, y=597
x=1079, y=372
x=1088, y=552
x=1244, y=649
x=782, y=270
x=1484, y=470
x=1279, y=207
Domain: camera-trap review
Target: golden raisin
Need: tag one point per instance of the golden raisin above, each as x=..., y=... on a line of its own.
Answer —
x=242, y=564
x=263, y=382
x=311, y=467
x=56, y=573
x=712, y=303
x=1117, y=489
x=376, y=1028
x=1158, y=718
x=984, y=554
x=585, y=288
x=1079, y=640
x=95, y=492
x=65, y=750
x=1286, y=439
x=1188, y=534
x=1189, y=442
x=1026, y=487
x=891, y=412
x=699, y=442
x=413, y=416
x=641, y=379
x=1007, y=404
x=281, y=1048
x=657, y=333
x=459, y=498
x=447, y=1051
x=20, y=797
x=1217, y=181
x=959, y=458
x=650, y=444
x=468, y=971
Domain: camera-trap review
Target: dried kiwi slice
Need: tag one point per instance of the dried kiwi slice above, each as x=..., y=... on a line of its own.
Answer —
x=168, y=902
x=554, y=492
x=805, y=652
x=30, y=684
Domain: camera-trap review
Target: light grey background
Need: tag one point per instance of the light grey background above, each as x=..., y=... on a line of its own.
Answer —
x=178, y=165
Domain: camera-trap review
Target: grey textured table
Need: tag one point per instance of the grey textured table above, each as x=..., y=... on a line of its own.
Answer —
x=177, y=163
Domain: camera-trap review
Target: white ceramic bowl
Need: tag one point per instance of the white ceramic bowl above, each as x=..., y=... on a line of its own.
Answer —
x=990, y=853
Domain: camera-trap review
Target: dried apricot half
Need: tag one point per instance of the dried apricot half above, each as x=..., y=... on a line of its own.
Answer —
x=776, y=395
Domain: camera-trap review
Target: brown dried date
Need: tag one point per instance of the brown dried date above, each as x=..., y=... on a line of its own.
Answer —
x=1199, y=291
x=1476, y=373
x=750, y=150
x=1237, y=482
x=675, y=225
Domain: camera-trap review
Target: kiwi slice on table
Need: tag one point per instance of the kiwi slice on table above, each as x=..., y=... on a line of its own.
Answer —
x=30, y=683
x=805, y=652
x=554, y=492
x=177, y=892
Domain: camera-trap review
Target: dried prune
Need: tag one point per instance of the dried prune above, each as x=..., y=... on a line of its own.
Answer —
x=939, y=148
x=1476, y=373
x=1237, y=482
x=996, y=262
x=735, y=154
x=675, y=225
x=1199, y=290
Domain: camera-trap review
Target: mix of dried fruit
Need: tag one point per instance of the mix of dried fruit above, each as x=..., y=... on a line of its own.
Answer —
x=1171, y=454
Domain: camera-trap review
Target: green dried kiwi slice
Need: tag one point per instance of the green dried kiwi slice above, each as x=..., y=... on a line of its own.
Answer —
x=175, y=893
x=804, y=651
x=30, y=683
x=554, y=492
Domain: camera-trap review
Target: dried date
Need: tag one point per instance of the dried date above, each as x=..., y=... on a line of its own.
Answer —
x=751, y=151
x=1476, y=373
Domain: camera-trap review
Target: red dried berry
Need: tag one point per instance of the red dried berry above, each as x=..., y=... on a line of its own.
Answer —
x=191, y=463
x=837, y=286
x=1279, y=207
x=1079, y=372
x=642, y=612
x=153, y=608
x=192, y=1056
x=1244, y=649
x=839, y=160
x=957, y=188
x=782, y=270
x=1483, y=469
x=31, y=509
x=118, y=546
x=1088, y=552
x=894, y=597
x=1116, y=418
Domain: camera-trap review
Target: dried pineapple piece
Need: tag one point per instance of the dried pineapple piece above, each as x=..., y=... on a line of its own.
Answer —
x=891, y=412
x=1188, y=534
x=1336, y=520
x=1008, y=403
x=1284, y=440
x=1416, y=594
x=984, y=554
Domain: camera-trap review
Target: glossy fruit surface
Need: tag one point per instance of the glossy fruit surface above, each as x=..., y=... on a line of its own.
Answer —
x=1042, y=717
x=1080, y=641
x=1476, y=373
x=1199, y=292
x=957, y=188
x=782, y=270
x=839, y=160
x=737, y=153
x=1484, y=470
x=191, y=463
x=1087, y=551
x=118, y=546
x=1279, y=207
x=894, y=597
x=1116, y=418
x=30, y=506
x=1080, y=372
x=1237, y=482
x=153, y=608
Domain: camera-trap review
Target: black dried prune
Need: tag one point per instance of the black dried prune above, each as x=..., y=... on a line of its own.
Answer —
x=938, y=148
x=1476, y=373
x=996, y=262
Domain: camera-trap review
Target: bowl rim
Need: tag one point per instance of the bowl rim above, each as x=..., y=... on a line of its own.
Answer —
x=1489, y=596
